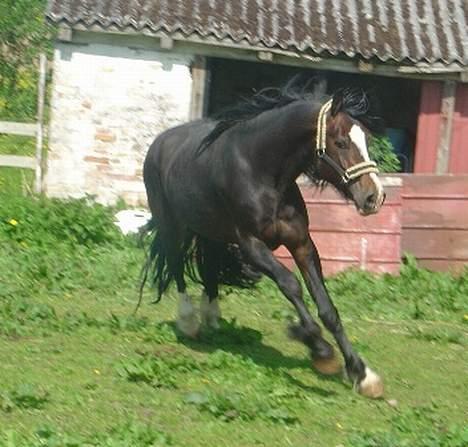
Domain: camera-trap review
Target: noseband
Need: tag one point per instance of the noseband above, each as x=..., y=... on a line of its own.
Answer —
x=346, y=175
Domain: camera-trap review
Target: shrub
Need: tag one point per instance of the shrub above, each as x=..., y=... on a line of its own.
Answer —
x=381, y=151
x=43, y=222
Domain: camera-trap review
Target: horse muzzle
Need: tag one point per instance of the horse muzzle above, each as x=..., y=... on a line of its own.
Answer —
x=371, y=204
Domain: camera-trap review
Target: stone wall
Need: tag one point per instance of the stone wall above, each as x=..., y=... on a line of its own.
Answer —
x=108, y=104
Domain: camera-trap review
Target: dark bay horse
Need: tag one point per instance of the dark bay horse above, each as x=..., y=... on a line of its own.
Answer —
x=224, y=192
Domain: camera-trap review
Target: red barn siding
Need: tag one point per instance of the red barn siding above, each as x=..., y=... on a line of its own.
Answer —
x=458, y=161
x=426, y=217
x=346, y=239
x=429, y=122
x=435, y=220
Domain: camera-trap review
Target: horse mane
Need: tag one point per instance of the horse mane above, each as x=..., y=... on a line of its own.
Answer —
x=353, y=101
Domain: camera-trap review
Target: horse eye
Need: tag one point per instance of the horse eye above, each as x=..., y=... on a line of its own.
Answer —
x=341, y=144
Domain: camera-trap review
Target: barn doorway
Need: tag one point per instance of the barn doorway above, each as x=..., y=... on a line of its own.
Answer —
x=231, y=80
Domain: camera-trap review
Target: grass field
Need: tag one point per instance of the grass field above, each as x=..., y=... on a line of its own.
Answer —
x=14, y=180
x=77, y=369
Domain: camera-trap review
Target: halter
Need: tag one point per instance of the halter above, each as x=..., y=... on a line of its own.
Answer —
x=350, y=174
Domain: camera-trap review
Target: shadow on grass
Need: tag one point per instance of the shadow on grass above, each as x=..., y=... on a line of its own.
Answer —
x=247, y=342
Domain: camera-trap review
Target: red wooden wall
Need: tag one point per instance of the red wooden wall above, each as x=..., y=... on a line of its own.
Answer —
x=435, y=220
x=429, y=126
x=424, y=215
x=346, y=239
x=458, y=161
x=429, y=121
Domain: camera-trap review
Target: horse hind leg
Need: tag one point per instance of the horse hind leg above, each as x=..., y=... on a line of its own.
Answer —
x=171, y=254
x=170, y=251
x=210, y=311
x=187, y=320
x=208, y=264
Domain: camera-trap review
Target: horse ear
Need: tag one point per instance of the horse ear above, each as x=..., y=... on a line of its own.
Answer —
x=337, y=102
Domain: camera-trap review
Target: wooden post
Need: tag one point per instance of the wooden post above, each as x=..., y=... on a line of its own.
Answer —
x=447, y=109
x=40, y=119
x=199, y=81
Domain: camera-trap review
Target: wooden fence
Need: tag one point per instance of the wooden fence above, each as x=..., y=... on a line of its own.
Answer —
x=29, y=130
x=346, y=239
x=424, y=215
x=435, y=220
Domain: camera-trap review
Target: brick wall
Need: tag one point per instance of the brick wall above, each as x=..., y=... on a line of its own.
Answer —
x=108, y=104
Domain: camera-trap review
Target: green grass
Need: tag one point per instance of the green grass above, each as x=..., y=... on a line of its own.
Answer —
x=78, y=369
x=14, y=180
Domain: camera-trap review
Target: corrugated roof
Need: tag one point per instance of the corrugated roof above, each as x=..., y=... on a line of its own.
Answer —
x=400, y=30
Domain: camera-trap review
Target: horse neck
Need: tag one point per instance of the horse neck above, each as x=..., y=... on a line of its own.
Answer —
x=284, y=142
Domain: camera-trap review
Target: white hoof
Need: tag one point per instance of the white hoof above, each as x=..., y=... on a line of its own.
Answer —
x=210, y=312
x=187, y=321
x=372, y=385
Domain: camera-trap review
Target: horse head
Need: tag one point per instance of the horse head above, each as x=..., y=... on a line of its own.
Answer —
x=342, y=156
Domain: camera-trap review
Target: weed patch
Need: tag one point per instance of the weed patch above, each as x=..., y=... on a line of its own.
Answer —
x=231, y=406
x=25, y=396
x=125, y=435
x=416, y=427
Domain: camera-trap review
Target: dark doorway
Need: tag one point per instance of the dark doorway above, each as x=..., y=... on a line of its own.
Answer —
x=398, y=98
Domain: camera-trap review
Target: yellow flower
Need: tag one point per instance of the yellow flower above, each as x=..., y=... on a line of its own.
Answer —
x=13, y=222
x=96, y=371
x=465, y=317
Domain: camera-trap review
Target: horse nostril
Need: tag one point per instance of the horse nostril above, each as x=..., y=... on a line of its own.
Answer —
x=370, y=201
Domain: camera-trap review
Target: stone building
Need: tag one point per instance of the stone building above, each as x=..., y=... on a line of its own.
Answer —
x=125, y=70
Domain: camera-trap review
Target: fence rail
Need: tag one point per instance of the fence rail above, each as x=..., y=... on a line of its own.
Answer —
x=29, y=130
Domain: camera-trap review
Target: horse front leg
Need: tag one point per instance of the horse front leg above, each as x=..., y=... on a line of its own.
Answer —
x=309, y=332
x=307, y=259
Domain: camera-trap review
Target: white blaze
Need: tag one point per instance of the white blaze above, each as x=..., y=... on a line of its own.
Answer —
x=358, y=137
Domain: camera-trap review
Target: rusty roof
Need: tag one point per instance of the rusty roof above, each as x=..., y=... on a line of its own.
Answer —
x=400, y=30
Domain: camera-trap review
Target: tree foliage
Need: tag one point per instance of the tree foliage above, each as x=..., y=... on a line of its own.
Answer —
x=24, y=33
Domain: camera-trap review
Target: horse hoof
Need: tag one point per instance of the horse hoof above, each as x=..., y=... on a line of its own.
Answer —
x=190, y=328
x=372, y=385
x=328, y=367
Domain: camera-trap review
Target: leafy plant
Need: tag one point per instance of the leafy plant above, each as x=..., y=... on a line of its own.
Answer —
x=156, y=371
x=235, y=405
x=416, y=427
x=43, y=222
x=124, y=435
x=25, y=396
x=381, y=151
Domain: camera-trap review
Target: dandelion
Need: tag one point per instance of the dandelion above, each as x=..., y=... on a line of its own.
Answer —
x=13, y=222
x=96, y=371
x=465, y=317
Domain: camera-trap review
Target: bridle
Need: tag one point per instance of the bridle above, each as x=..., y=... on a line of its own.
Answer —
x=346, y=175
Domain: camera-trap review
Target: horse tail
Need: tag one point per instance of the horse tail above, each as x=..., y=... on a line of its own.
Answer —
x=226, y=258
x=200, y=255
x=155, y=264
